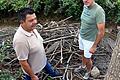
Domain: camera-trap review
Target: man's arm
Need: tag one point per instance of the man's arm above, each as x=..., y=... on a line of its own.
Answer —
x=100, y=35
x=28, y=69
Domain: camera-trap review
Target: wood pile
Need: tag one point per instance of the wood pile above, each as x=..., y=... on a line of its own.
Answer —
x=62, y=49
x=61, y=45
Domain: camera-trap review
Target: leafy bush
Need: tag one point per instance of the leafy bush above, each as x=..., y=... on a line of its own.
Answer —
x=36, y=4
x=118, y=11
x=3, y=4
x=64, y=7
x=18, y=4
x=112, y=9
x=72, y=8
x=6, y=75
x=48, y=6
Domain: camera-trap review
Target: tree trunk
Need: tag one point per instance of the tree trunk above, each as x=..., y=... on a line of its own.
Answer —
x=113, y=72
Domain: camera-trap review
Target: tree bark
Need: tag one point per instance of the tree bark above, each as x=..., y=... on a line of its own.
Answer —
x=113, y=72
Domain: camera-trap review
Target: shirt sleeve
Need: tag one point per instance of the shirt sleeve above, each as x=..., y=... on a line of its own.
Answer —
x=100, y=16
x=22, y=50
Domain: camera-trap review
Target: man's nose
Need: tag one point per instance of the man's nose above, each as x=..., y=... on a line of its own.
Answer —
x=84, y=0
x=35, y=21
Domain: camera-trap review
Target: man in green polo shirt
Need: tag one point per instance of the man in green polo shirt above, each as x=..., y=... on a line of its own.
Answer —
x=91, y=32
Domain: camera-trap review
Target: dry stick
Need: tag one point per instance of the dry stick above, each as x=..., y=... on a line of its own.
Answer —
x=67, y=76
x=11, y=61
x=46, y=47
x=45, y=77
x=56, y=36
x=58, y=28
x=61, y=51
x=57, y=63
x=54, y=52
x=71, y=36
x=99, y=54
x=71, y=75
x=51, y=77
x=29, y=1
x=79, y=77
x=53, y=24
x=66, y=52
x=64, y=20
x=6, y=35
x=67, y=66
x=69, y=30
x=58, y=52
x=78, y=54
x=69, y=46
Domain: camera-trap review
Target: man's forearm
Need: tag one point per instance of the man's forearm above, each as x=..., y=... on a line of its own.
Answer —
x=100, y=34
x=27, y=68
x=99, y=37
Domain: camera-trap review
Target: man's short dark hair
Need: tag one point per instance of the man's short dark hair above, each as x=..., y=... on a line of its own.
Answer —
x=23, y=12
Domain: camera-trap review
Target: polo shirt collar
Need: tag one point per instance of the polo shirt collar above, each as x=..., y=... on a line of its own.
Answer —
x=25, y=32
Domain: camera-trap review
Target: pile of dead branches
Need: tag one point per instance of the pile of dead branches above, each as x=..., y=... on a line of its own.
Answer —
x=62, y=50
x=61, y=45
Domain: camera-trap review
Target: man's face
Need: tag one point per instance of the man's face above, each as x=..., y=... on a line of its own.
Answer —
x=30, y=22
x=88, y=2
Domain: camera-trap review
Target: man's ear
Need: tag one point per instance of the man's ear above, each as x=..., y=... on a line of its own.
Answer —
x=21, y=21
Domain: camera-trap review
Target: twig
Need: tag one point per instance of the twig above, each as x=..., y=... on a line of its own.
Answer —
x=67, y=66
x=11, y=61
x=67, y=76
x=71, y=75
x=64, y=20
x=61, y=52
x=59, y=38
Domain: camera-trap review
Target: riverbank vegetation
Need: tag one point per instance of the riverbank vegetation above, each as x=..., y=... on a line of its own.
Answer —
x=59, y=7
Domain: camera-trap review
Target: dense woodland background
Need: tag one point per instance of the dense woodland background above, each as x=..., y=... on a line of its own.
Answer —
x=58, y=9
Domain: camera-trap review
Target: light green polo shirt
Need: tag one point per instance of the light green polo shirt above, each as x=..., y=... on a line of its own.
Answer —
x=91, y=16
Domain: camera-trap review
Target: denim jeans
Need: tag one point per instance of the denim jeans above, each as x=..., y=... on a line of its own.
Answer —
x=48, y=69
x=26, y=77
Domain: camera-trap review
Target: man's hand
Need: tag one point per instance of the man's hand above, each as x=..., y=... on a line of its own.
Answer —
x=28, y=69
x=34, y=78
x=92, y=50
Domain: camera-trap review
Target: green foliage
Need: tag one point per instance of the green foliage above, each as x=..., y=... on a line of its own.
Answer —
x=118, y=3
x=36, y=4
x=6, y=75
x=18, y=4
x=64, y=7
x=3, y=4
x=112, y=9
x=12, y=4
x=72, y=8
x=48, y=6
x=69, y=7
x=118, y=11
x=4, y=49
